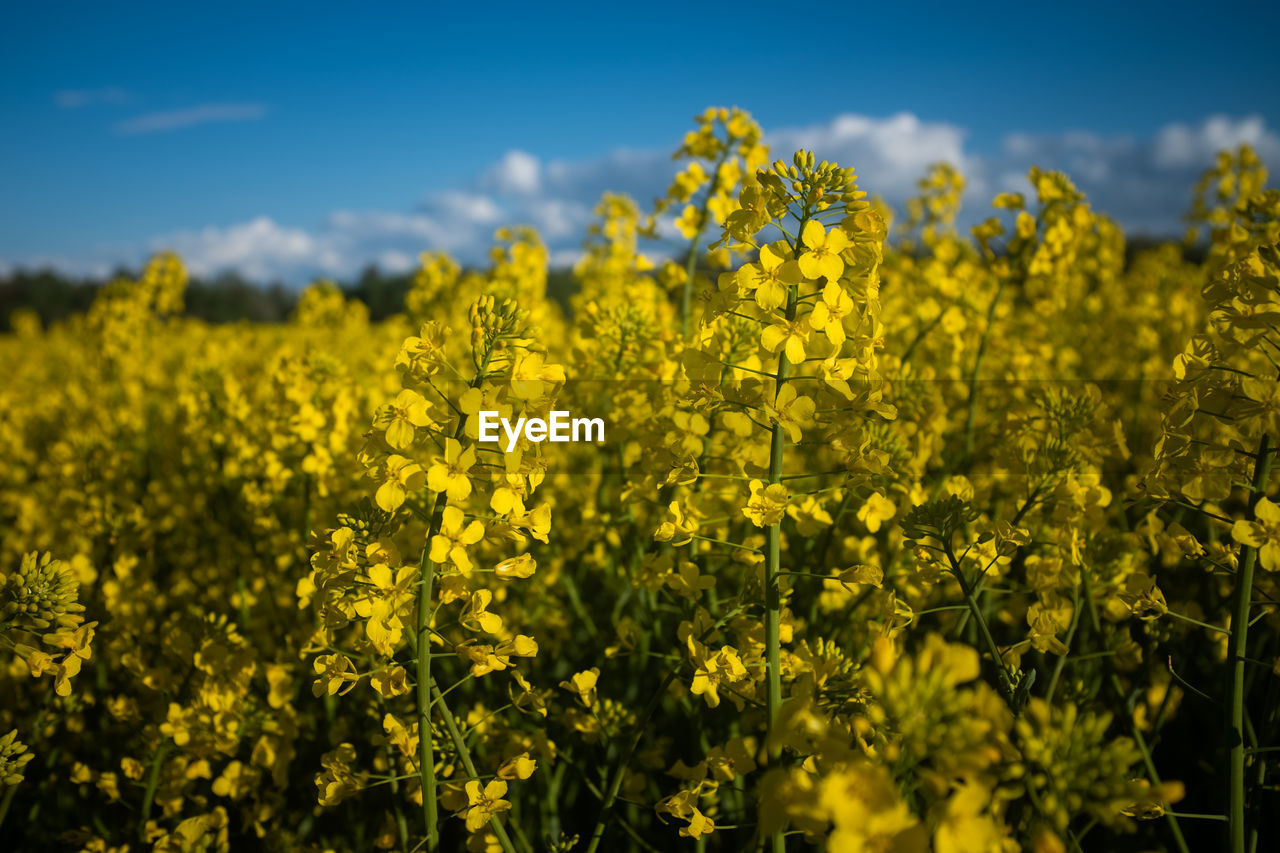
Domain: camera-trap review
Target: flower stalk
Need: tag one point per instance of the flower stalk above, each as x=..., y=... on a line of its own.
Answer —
x=773, y=554
x=426, y=750
x=1237, y=648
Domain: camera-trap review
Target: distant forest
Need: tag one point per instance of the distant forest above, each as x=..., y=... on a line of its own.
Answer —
x=229, y=297
x=225, y=298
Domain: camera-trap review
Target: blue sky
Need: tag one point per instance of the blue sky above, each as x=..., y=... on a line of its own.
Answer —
x=292, y=140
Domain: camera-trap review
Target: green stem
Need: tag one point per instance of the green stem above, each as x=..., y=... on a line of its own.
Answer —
x=615, y=783
x=773, y=558
x=1027, y=504
x=402, y=826
x=1237, y=645
x=460, y=744
x=579, y=609
x=977, y=365
x=1217, y=629
x=425, y=681
x=1006, y=681
x=426, y=749
x=1138, y=738
x=1062, y=659
x=149, y=795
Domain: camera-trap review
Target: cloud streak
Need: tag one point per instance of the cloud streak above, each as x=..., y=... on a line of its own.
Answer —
x=168, y=120
x=74, y=99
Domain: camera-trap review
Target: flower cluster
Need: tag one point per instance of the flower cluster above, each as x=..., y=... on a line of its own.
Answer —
x=901, y=538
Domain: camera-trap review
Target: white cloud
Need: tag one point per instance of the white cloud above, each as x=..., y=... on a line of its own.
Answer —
x=97, y=267
x=559, y=220
x=1144, y=183
x=889, y=154
x=472, y=208
x=258, y=249
x=517, y=172
x=154, y=122
x=563, y=258
x=395, y=261
x=643, y=175
x=1180, y=146
x=71, y=99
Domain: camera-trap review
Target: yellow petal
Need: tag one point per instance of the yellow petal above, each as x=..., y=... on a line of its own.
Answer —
x=1266, y=511
x=1247, y=533
x=795, y=349
x=813, y=235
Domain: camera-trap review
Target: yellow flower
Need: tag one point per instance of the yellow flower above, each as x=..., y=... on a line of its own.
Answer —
x=537, y=522
x=482, y=657
x=519, y=767
x=828, y=315
x=399, y=476
x=456, y=534
x=336, y=675
x=809, y=515
x=868, y=813
x=767, y=504
x=689, y=221
x=583, y=685
x=734, y=759
x=710, y=672
x=678, y=529
x=683, y=805
x=516, y=567
x=449, y=472
x=390, y=682
x=484, y=803
x=399, y=418
x=789, y=335
x=688, y=180
x=1143, y=598
x=790, y=410
x=337, y=782
x=876, y=510
x=968, y=826
x=698, y=826
x=822, y=248
x=477, y=616
x=521, y=646
x=531, y=376
x=862, y=574
x=688, y=582
x=384, y=608
x=1262, y=533
x=67, y=668
x=236, y=781
x=770, y=278
x=423, y=355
